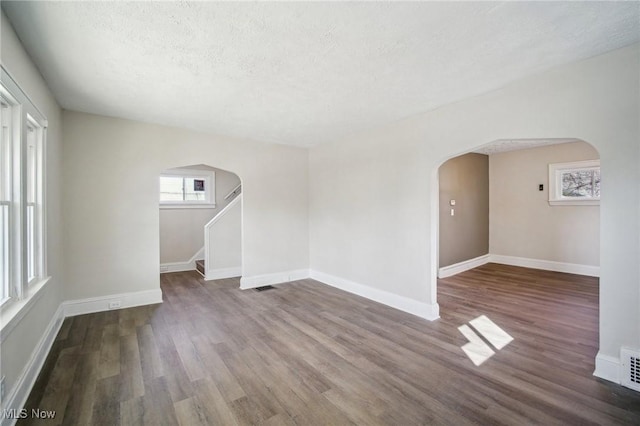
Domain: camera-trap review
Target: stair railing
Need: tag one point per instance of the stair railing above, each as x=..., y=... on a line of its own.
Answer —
x=234, y=191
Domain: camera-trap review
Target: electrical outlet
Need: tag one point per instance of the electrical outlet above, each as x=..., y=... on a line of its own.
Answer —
x=114, y=304
x=2, y=389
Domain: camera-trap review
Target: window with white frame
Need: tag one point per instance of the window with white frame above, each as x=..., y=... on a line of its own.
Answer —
x=187, y=188
x=34, y=196
x=575, y=183
x=22, y=206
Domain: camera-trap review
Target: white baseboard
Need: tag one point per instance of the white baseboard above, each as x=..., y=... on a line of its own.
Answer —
x=177, y=267
x=270, y=279
x=218, y=274
x=423, y=310
x=546, y=265
x=608, y=368
x=465, y=265
x=18, y=395
x=189, y=265
x=100, y=304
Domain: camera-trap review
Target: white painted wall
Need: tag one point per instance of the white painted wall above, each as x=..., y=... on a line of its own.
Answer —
x=112, y=238
x=182, y=233
x=182, y=230
x=369, y=212
x=373, y=197
x=17, y=348
x=521, y=221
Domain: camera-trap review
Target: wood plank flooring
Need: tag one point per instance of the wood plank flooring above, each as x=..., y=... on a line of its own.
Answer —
x=305, y=353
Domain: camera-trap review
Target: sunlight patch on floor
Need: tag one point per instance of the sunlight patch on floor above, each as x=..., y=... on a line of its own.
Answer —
x=490, y=331
x=477, y=349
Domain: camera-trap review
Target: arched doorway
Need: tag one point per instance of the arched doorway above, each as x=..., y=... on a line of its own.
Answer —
x=522, y=164
x=541, y=209
x=200, y=221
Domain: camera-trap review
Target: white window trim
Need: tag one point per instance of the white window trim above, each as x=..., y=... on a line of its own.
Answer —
x=38, y=202
x=12, y=313
x=209, y=177
x=555, y=184
x=22, y=294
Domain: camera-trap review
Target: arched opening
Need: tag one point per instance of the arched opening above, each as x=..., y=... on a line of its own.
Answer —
x=200, y=221
x=531, y=203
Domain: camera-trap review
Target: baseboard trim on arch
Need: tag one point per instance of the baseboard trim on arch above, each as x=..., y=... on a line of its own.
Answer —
x=271, y=279
x=608, y=368
x=218, y=274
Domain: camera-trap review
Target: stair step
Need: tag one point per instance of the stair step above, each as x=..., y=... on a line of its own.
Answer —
x=200, y=266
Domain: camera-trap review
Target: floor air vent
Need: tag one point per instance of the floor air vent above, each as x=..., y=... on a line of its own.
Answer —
x=264, y=288
x=630, y=368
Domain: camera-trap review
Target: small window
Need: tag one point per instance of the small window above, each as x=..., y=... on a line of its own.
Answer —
x=187, y=188
x=576, y=183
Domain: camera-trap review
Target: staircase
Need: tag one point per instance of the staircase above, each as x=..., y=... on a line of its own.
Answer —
x=222, y=236
x=200, y=266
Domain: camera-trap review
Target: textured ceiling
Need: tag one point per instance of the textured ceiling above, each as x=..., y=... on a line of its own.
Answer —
x=504, y=145
x=301, y=73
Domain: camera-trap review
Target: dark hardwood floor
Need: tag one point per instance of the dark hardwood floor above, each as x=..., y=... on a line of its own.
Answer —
x=305, y=353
